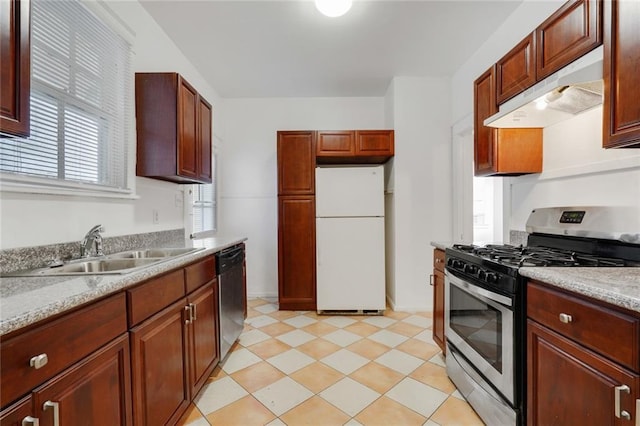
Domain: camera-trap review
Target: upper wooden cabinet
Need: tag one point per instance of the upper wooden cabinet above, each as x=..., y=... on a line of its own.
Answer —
x=501, y=151
x=354, y=146
x=621, y=125
x=516, y=71
x=296, y=162
x=173, y=124
x=15, y=66
x=572, y=31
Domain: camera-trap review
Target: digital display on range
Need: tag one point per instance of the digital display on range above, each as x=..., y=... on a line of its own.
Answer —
x=572, y=216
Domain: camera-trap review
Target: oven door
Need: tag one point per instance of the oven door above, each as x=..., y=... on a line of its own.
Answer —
x=479, y=324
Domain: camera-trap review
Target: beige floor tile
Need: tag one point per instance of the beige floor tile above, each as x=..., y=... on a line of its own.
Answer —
x=317, y=377
x=252, y=303
x=418, y=348
x=361, y=329
x=368, y=348
x=434, y=376
x=251, y=313
x=282, y=315
x=245, y=411
x=425, y=314
x=217, y=374
x=191, y=415
x=257, y=376
x=315, y=411
x=396, y=315
x=385, y=411
x=318, y=348
x=377, y=377
x=319, y=329
x=455, y=412
x=277, y=329
x=405, y=329
x=269, y=348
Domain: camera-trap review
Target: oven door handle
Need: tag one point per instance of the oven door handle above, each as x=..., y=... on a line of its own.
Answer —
x=474, y=289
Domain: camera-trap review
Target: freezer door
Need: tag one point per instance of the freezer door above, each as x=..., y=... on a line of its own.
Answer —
x=350, y=263
x=349, y=191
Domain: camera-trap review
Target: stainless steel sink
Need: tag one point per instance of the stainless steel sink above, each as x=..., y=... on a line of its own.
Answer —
x=152, y=253
x=104, y=265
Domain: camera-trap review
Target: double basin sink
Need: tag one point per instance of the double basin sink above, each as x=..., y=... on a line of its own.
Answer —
x=116, y=263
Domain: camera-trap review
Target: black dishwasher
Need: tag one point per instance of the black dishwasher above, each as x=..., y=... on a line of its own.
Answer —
x=229, y=263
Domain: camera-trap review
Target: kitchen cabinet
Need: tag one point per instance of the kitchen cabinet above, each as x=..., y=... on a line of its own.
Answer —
x=354, y=146
x=173, y=127
x=174, y=350
x=572, y=31
x=508, y=152
x=582, y=356
x=296, y=162
x=15, y=66
x=437, y=280
x=77, y=362
x=516, y=71
x=621, y=125
x=297, y=253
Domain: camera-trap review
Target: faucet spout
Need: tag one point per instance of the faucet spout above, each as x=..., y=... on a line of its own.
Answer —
x=92, y=237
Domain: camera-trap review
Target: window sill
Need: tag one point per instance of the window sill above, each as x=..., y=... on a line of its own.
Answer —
x=27, y=185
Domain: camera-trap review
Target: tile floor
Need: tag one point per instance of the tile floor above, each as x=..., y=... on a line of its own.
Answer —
x=300, y=368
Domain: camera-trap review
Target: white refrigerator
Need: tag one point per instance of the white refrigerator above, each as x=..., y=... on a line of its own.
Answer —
x=350, y=252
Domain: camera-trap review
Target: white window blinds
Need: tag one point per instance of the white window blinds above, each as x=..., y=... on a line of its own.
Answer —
x=204, y=207
x=80, y=100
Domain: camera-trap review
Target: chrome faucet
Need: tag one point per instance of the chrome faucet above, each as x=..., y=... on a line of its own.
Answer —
x=93, y=236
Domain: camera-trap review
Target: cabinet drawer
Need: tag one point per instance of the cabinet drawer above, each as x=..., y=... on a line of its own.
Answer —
x=65, y=341
x=611, y=333
x=199, y=273
x=154, y=295
x=438, y=259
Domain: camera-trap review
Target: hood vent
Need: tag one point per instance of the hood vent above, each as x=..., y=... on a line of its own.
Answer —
x=570, y=91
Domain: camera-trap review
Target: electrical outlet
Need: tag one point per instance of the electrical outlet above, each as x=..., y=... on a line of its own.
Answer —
x=156, y=217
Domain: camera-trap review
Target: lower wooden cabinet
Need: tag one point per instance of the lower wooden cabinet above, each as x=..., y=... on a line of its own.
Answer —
x=437, y=281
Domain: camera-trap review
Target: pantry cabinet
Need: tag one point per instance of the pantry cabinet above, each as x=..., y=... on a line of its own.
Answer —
x=15, y=66
x=621, y=125
x=296, y=162
x=173, y=127
x=507, y=152
x=583, y=355
x=437, y=281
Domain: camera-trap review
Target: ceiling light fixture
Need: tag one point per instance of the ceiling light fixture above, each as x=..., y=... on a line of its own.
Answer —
x=333, y=8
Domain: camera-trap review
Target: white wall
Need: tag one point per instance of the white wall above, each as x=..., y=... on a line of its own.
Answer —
x=248, y=168
x=34, y=219
x=420, y=186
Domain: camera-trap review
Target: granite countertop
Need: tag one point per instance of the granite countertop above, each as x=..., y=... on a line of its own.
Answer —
x=442, y=245
x=26, y=300
x=618, y=286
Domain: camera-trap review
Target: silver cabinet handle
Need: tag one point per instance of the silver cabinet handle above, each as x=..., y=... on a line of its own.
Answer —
x=438, y=260
x=56, y=411
x=565, y=318
x=637, y=412
x=189, y=313
x=617, y=412
x=39, y=361
x=194, y=311
x=30, y=421
x=431, y=279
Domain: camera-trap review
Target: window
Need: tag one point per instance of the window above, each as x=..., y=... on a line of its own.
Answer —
x=80, y=101
x=204, y=207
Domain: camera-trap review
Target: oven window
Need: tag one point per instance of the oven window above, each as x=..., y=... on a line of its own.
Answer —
x=478, y=323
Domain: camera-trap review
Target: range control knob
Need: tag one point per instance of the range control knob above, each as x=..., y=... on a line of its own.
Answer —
x=470, y=269
x=491, y=277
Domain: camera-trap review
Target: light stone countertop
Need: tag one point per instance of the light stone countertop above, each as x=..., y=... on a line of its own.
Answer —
x=442, y=245
x=26, y=300
x=618, y=286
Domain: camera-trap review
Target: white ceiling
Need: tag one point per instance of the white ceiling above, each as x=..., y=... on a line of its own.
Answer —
x=288, y=49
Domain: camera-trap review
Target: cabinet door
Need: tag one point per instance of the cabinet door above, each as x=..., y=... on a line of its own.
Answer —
x=568, y=384
x=159, y=367
x=205, y=171
x=621, y=79
x=96, y=391
x=335, y=143
x=516, y=71
x=15, y=66
x=374, y=143
x=16, y=413
x=438, y=309
x=484, y=98
x=203, y=338
x=572, y=31
x=187, y=130
x=297, y=253
x=296, y=163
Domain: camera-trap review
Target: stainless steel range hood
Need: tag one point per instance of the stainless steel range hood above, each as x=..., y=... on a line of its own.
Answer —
x=569, y=91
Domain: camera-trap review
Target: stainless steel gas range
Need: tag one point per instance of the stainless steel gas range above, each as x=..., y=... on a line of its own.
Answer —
x=485, y=298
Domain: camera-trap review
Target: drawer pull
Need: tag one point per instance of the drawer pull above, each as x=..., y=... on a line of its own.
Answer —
x=194, y=310
x=565, y=318
x=618, y=390
x=189, y=314
x=30, y=421
x=39, y=361
x=56, y=411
